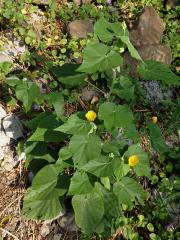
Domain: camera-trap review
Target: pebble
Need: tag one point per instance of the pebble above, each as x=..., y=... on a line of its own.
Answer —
x=80, y=28
x=67, y=222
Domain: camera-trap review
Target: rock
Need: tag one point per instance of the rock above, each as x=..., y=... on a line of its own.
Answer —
x=4, y=58
x=67, y=222
x=80, y=2
x=4, y=140
x=2, y=113
x=148, y=29
x=9, y=161
x=12, y=127
x=159, y=52
x=80, y=28
x=154, y=93
x=45, y=230
x=88, y=94
x=57, y=236
x=13, y=47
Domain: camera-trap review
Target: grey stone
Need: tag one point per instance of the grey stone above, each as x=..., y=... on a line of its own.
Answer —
x=13, y=48
x=12, y=127
x=67, y=222
x=80, y=28
x=88, y=94
x=154, y=92
x=148, y=29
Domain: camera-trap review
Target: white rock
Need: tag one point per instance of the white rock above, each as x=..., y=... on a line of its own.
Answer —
x=45, y=230
x=1, y=154
x=57, y=236
x=12, y=127
x=2, y=113
x=4, y=140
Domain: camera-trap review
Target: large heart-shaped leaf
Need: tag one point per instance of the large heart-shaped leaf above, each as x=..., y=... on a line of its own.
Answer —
x=84, y=148
x=157, y=140
x=75, y=125
x=42, y=200
x=128, y=190
x=102, y=166
x=68, y=75
x=80, y=184
x=99, y=57
x=46, y=130
x=118, y=116
x=89, y=211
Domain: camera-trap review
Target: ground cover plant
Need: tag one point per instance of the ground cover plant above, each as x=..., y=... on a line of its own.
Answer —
x=106, y=159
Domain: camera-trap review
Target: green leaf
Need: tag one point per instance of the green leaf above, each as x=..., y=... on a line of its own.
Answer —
x=89, y=211
x=128, y=190
x=118, y=116
x=42, y=200
x=28, y=93
x=57, y=100
x=143, y=167
x=33, y=124
x=99, y=57
x=111, y=204
x=75, y=125
x=102, y=166
x=113, y=146
x=122, y=170
x=101, y=30
x=46, y=130
x=38, y=150
x=157, y=140
x=84, y=148
x=80, y=184
x=13, y=81
x=67, y=75
x=106, y=182
x=65, y=158
x=152, y=70
x=134, y=53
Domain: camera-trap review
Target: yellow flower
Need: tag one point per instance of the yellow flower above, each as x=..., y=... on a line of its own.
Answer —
x=133, y=160
x=91, y=116
x=154, y=119
x=56, y=37
x=49, y=40
x=23, y=11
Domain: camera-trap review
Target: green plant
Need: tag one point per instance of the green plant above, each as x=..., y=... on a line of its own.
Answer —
x=92, y=167
x=87, y=157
